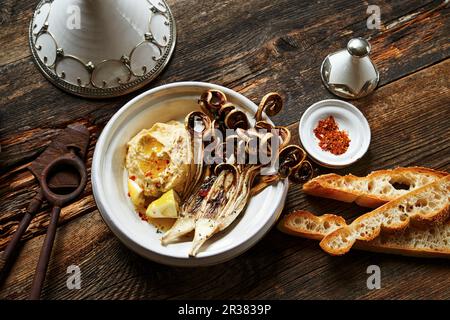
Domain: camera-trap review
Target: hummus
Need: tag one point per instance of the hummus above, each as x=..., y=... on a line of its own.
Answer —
x=158, y=159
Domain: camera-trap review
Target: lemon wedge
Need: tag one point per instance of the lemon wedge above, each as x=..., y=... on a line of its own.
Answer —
x=164, y=207
x=135, y=193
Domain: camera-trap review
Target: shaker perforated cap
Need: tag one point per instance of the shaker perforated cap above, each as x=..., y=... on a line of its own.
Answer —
x=350, y=73
x=358, y=47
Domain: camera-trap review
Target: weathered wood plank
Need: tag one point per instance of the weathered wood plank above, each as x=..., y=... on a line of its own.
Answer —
x=252, y=47
x=280, y=266
x=15, y=19
x=383, y=109
x=272, y=47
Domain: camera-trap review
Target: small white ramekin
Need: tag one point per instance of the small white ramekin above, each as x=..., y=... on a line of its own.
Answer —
x=349, y=119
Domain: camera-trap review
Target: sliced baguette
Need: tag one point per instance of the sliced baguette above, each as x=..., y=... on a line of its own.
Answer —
x=431, y=242
x=307, y=225
x=374, y=190
x=426, y=205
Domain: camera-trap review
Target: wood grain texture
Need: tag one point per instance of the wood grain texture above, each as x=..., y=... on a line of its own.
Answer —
x=279, y=47
x=252, y=47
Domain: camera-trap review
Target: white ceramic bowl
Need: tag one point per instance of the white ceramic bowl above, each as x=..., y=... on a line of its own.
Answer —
x=348, y=118
x=164, y=103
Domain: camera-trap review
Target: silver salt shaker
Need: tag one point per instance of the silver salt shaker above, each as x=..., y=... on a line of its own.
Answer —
x=350, y=73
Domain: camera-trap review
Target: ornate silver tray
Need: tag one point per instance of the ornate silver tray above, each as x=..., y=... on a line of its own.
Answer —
x=98, y=48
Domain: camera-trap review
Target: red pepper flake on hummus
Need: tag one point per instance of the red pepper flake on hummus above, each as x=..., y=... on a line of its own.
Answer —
x=203, y=192
x=142, y=216
x=331, y=139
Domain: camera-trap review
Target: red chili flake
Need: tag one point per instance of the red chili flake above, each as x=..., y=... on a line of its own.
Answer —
x=330, y=137
x=142, y=216
x=133, y=178
x=129, y=194
x=158, y=185
x=203, y=193
x=167, y=161
x=148, y=174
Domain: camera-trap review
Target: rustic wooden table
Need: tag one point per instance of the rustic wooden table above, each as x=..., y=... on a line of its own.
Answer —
x=252, y=47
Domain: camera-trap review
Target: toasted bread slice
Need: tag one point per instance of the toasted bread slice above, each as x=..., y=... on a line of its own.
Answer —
x=431, y=242
x=307, y=225
x=424, y=206
x=374, y=190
